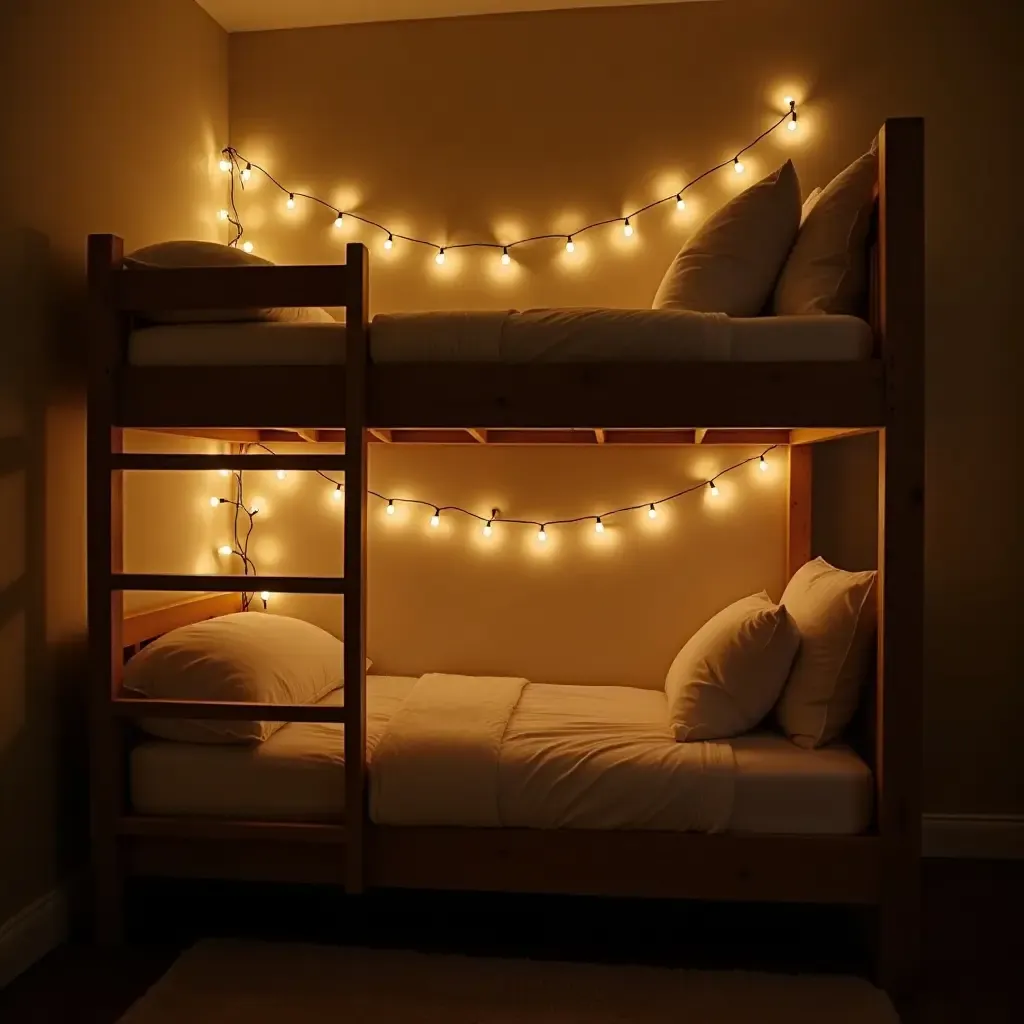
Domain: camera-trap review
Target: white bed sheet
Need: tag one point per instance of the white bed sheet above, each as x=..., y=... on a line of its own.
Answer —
x=566, y=755
x=550, y=336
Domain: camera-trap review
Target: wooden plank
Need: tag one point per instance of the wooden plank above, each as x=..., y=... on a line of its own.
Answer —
x=357, y=356
x=899, y=696
x=599, y=435
x=154, y=290
x=816, y=869
x=799, y=508
x=649, y=437
x=233, y=582
x=146, y=625
x=235, y=435
x=382, y=435
x=811, y=435
x=226, y=711
x=480, y=436
x=699, y=434
x=326, y=463
x=217, y=829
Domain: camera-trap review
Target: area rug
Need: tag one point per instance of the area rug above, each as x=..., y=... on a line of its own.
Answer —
x=231, y=982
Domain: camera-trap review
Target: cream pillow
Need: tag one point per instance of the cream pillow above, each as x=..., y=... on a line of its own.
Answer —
x=729, y=673
x=826, y=272
x=246, y=656
x=809, y=203
x=175, y=255
x=730, y=265
x=834, y=613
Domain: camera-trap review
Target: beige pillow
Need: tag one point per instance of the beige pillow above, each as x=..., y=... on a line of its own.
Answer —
x=834, y=613
x=827, y=270
x=809, y=203
x=729, y=673
x=730, y=265
x=175, y=255
x=246, y=656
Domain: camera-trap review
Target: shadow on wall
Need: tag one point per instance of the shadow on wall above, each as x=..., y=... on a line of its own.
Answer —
x=42, y=708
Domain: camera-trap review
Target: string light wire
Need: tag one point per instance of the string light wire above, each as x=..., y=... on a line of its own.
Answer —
x=242, y=168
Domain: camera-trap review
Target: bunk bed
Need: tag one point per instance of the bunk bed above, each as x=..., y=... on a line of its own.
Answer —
x=362, y=399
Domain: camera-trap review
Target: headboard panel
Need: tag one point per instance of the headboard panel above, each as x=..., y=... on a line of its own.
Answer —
x=145, y=626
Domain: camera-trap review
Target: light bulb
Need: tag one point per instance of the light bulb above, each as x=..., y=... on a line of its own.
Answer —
x=792, y=122
x=391, y=506
x=222, y=215
x=225, y=472
x=680, y=203
x=247, y=172
x=282, y=474
x=291, y=201
x=737, y=165
x=570, y=245
x=599, y=526
x=763, y=464
x=652, y=512
x=505, y=258
x=789, y=101
x=337, y=493
x=439, y=258
x=247, y=247
x=389, y=241
x=225, y=164
x=265, y=596
x=214, y=502
x=339, y=220
x=627, y=228
x=435, y=519
x=487, y=529
x=714, y=488
x=225, y=549
x=541, y=535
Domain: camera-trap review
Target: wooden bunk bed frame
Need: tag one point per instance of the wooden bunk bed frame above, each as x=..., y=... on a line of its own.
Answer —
x=798, y=403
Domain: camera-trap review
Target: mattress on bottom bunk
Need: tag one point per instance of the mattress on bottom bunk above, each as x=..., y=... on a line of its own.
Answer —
x=573, y=756
x=534, y=336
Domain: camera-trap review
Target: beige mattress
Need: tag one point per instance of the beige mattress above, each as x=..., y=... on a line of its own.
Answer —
x=542, y=335
x=572, y=757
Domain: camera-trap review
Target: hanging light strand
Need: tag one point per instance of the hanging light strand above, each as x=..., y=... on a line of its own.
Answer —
x=241, y=167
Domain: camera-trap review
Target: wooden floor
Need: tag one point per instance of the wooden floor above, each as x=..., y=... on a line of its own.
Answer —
x=972, y=939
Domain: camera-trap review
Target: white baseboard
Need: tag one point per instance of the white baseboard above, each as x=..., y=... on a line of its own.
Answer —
x=985, y=836
x=31, y=934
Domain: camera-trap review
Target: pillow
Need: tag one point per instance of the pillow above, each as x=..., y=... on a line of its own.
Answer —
x=828, y=268
x=729, y=674
x=834, y=613
x=245, y=656
x=731, y=264
x=809, y=203
x=174, y=255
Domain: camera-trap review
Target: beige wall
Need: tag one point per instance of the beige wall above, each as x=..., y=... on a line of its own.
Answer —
x=114, y=112
x=479, y=128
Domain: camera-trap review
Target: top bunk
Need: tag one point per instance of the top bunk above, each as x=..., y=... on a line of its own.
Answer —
x=622, y=375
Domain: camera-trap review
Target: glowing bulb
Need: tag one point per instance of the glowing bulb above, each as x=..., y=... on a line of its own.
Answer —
x=247, y=172
x=222, y=215
x=291, y=201
x=247, y=247
x=714, y=488
x=439, y=258
x=391, y=506
x=680, y=203
x=487, y=529
x=282, y=474
x=225, y=549
x=737, y=165
x=598, y=526
x=214, y=502
x=763, y=464
x=265, y=596
x=389, y=241
x=789, y=101
x=627, y=228
x=337, y=493
x=541, y=535
x=570, y=245
x=225, y=472
x=225, y=164
x=339, y=220
x=435, y=519
x=792, y=123
x=505, y=258
x=652, y=512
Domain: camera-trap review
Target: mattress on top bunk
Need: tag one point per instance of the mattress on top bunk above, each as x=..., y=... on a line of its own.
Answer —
x=573, y=756
x=541, y=336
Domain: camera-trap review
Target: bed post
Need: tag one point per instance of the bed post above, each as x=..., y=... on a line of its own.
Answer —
x=898, y=745
x=104, y=553
x=356, y=359
x=799, y=507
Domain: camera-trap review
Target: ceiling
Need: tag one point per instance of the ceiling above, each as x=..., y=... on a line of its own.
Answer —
x=256, y=15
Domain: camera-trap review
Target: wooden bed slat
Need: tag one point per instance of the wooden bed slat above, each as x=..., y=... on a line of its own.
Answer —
x=219, y=828
x=327, y=463
x=226, y=711
x=153, y=622
x=231, y=582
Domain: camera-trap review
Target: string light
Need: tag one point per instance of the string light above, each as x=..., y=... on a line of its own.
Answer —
x=225, y=472
x=264, y=597
x=339, y=220
x=291, y=201
x=222, y=215
x=232, y=159
x=391, y=504
x=214, y=502
x=337, y=493
x=598, y=526
x=435, y=519
x=488, y=529
x=282, y=474
x=763, y=465
x=714, y=488
x=505, y=258
x=225, y=165
x=225, y=549
x=247, y=246
x=389, y=241
x=542, y=534
x=652, y=512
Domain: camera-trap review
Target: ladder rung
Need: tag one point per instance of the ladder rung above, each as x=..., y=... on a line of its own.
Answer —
x=326, y=463
x=231, y=583
x=226, y=711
